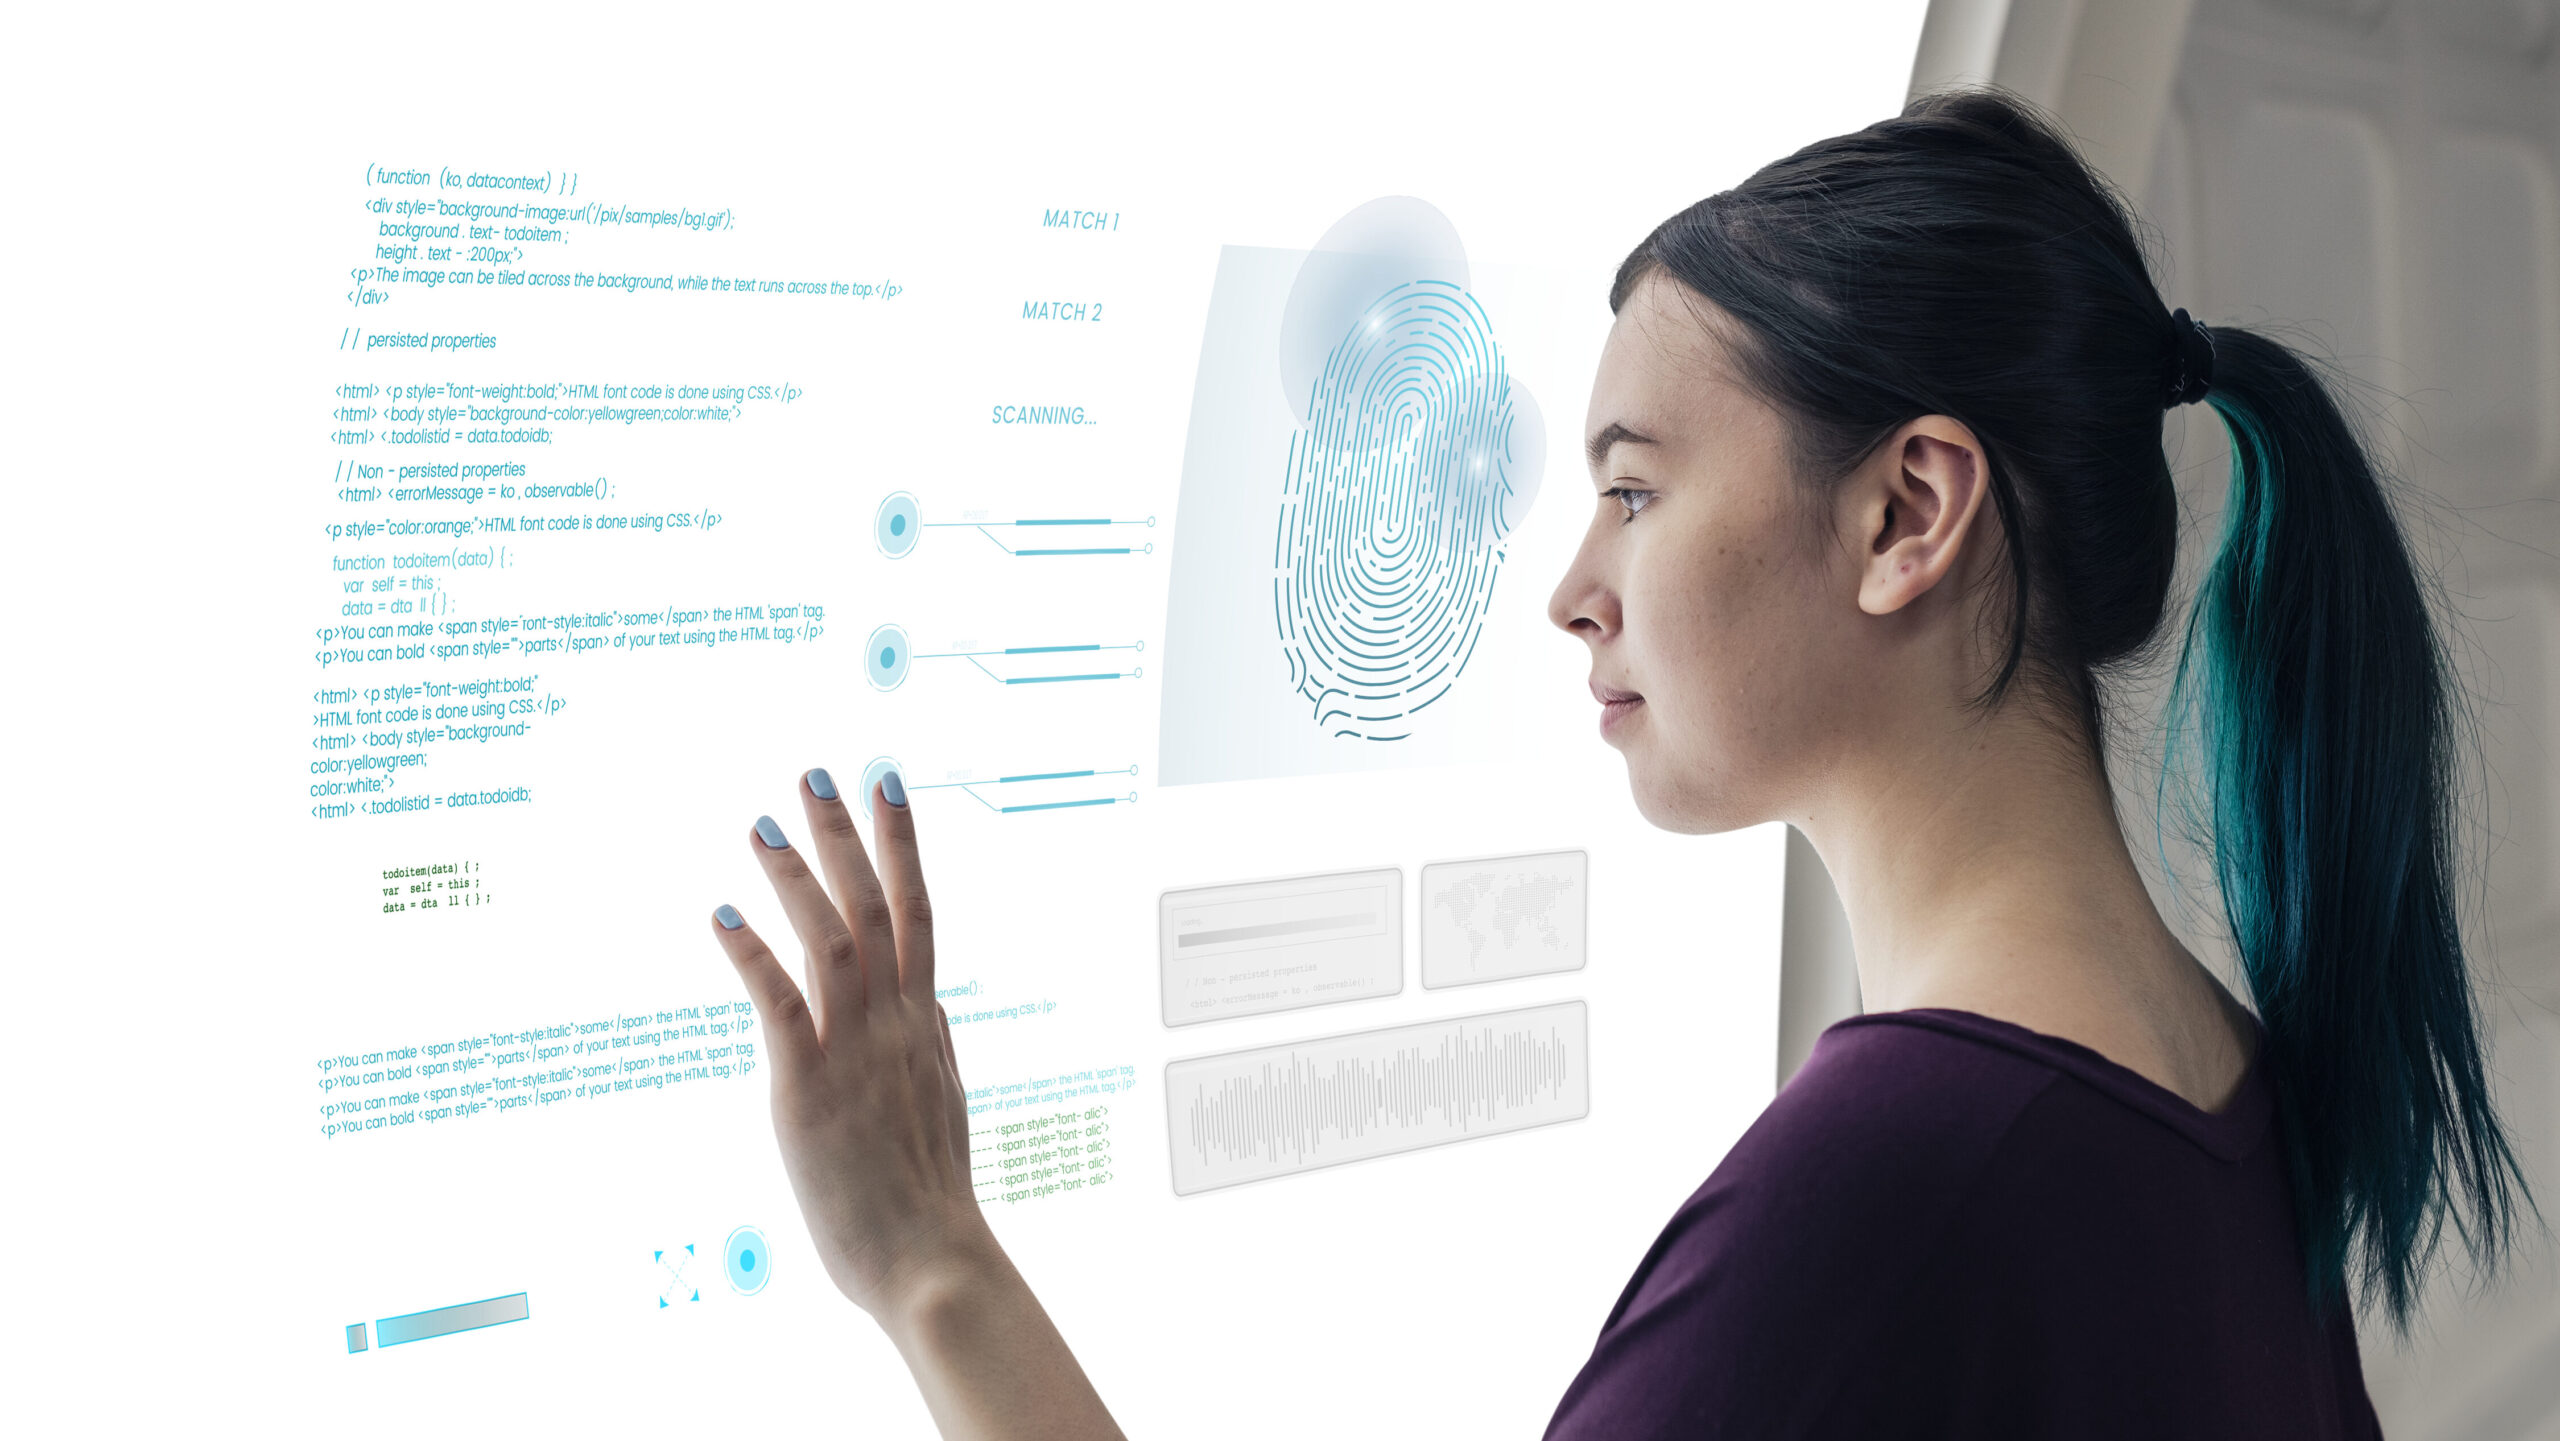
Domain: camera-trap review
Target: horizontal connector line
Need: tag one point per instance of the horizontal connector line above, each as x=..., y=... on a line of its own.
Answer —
x=971, y=788
x=1051, y=679
x=1093, y=550
x=1061, y=805
x=1011, y=780
x=1017, y=650
x=1076, y=520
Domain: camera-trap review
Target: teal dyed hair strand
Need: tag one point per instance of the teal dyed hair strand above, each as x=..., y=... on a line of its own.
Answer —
x=2314, y=680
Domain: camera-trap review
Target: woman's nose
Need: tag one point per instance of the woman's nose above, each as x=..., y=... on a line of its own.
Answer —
x=1584, y=603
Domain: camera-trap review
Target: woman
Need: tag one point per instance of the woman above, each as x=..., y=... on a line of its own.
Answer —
x=1880, y=496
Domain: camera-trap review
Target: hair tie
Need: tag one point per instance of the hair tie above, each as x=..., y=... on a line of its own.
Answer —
x=2191, y=374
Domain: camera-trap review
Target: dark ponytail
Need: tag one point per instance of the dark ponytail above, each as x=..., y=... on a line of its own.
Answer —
x=1961, y=259
x=2326, y=716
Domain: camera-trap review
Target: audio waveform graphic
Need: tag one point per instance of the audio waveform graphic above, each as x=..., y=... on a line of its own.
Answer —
x=1277, y=1110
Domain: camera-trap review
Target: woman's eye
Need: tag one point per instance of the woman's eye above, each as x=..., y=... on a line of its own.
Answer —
x=1633, y=500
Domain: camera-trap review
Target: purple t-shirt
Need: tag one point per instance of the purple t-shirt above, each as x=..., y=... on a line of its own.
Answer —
x=1948, y=1225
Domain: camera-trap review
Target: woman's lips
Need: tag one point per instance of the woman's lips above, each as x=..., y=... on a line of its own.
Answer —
x=1615, y=705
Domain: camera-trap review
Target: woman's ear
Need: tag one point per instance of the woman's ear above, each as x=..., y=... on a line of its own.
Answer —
x=1909, y=508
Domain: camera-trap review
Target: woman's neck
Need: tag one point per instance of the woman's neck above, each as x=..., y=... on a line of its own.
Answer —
x=1983, y=869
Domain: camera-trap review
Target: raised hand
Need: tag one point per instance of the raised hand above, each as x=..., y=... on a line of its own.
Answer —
x=867, y=1100
x=874, y=1128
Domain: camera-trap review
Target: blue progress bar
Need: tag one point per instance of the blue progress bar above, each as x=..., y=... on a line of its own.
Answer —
x=988, y=528
x=1078, y=520
x=446, y=1320
x=1056, y=805
x=1061, y=520
x=971, y=789
x=971, y=656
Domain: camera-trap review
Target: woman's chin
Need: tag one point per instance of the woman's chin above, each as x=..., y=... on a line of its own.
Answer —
x=1681, y=805
x=1670, y=807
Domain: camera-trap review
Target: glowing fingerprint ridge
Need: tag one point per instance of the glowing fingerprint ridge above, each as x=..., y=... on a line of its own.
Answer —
x=1400, y=490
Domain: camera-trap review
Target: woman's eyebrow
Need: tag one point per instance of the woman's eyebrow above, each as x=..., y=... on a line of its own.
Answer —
x=1597, y=449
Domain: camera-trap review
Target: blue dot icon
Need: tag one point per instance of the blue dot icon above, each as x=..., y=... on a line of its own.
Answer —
x=896, y=526
x=885, y=657
x=871, y=774
x=745, y=1261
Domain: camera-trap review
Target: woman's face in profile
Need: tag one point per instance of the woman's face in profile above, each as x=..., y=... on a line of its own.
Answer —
x=1717, y=605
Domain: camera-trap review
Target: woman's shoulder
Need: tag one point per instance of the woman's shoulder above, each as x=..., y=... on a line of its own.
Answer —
x=1906, y=1098
x=1850, y=1173
x=1756, y=1300
x=1898, y=1117
x=1862, y=1158
x=1805, y=1242
x=1908, y=1193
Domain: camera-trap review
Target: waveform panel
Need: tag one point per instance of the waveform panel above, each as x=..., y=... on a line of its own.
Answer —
x=1278, y=1110
x=1504, y=916
x=1240, y=950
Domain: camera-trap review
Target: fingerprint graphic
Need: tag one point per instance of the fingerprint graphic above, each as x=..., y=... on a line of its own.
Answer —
x=1400, y=490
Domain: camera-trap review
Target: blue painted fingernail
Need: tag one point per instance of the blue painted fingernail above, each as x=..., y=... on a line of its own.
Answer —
x=728, y=918
x=822, y=785
x=770, y=834
x=892, y=789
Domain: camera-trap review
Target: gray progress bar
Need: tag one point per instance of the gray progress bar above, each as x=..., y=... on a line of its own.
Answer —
x=1275, y=928
x=445, y=1320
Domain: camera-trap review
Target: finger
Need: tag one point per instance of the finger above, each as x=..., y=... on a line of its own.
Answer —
x=847, y=866
x=902, y=876
x=834, y=972
x=788, y=1031
x=960, y=1151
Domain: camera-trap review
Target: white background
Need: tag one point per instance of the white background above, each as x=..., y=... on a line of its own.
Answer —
x=185, y=203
